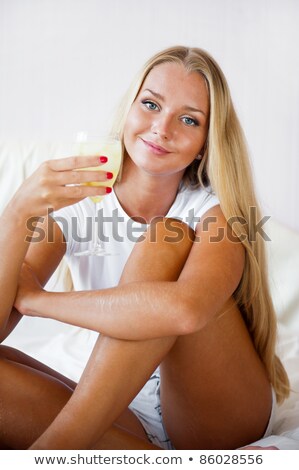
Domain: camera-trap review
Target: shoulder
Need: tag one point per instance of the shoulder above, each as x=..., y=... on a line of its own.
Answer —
x=215, y=237
x=191, y=204
x=213, y=224
x=199, y=198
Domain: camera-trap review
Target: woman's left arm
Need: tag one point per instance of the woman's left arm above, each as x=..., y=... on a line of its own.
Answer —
x=152, y=309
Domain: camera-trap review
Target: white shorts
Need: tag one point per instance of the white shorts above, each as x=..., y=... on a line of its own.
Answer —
x=147, y=407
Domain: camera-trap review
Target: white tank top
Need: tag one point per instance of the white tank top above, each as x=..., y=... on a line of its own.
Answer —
x=73, y=344
x=119, y=233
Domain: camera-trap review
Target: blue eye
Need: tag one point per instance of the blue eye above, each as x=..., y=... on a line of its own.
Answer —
x=150, y=105
x=189, y=121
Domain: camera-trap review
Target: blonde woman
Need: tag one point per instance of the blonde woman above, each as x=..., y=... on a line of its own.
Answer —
x=186, y=356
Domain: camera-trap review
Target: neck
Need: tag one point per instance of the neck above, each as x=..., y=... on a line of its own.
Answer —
x=145, y=196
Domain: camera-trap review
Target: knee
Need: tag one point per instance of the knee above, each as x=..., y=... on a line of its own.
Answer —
x=169, y=233
x=170, y=239
x=9, y=353
x=4, y=368
x=169, y=230
x=3, y=351
x=161, y=251
x=7, y=356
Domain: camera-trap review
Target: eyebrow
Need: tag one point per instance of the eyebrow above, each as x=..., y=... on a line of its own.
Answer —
x=187, y=108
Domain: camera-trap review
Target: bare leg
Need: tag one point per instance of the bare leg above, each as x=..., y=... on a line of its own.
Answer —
x=118, y=369
x=29, y=385
x=214, y=389
x=32, y=394
x=208, y=388
x=223, y=399
x=29, y=400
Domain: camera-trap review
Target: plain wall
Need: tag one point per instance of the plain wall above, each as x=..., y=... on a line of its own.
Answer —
x=64, y=65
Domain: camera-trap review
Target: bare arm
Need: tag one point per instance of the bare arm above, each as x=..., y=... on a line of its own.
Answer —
x=43, y=258
x=12, y=254
x=146, y=310
x=48, y=188
x=79, y=425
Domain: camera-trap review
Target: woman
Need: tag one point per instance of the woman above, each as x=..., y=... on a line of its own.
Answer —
x=192, y=296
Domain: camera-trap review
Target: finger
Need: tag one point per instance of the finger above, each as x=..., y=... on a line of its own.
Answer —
x=73, y=163
x=82, y=176
x=81, y=192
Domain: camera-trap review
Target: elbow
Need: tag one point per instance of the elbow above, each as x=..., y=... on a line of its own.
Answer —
x=190, y=317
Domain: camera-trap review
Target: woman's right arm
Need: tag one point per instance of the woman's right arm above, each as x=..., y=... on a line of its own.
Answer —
x=54, y=185
x=13, y=249
x=43, y=257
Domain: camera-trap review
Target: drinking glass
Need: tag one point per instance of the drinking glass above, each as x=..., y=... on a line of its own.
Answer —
x=112, y=149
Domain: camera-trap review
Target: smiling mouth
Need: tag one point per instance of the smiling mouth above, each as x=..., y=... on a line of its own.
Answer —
x=157, y=149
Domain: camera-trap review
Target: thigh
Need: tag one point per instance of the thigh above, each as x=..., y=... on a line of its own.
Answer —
x=215, y=393
x=16, y=356
x=31, y=396
x=30, y=399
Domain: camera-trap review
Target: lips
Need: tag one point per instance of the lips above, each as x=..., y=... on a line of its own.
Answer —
x=155, y=148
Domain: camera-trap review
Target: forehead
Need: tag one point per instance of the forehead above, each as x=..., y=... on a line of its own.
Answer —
x=173, y=81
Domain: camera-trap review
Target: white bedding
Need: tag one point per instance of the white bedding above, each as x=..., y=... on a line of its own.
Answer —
x=66, y=348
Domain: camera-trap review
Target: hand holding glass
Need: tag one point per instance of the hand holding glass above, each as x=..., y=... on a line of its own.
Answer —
x=110, y=148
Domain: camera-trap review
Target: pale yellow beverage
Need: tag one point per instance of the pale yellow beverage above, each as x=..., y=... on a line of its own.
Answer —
x=110, y=148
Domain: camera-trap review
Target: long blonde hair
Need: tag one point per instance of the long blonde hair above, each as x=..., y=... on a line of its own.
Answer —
x=225, y=167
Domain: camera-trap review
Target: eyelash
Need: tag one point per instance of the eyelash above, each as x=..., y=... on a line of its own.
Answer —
x=194, y=121
x=147, y=104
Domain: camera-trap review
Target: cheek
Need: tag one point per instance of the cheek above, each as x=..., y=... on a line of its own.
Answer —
x=137, y=120
x=191, y=148
x=131, y=129
x=133, y=120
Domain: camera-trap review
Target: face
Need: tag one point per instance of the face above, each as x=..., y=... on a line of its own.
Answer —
x=167, y=124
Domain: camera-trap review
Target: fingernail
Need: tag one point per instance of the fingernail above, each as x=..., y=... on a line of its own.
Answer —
x=103, y=159
x=108, y=190
x=109, y=175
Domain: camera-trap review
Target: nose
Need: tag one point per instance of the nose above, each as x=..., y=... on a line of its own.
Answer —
x=162, y=126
